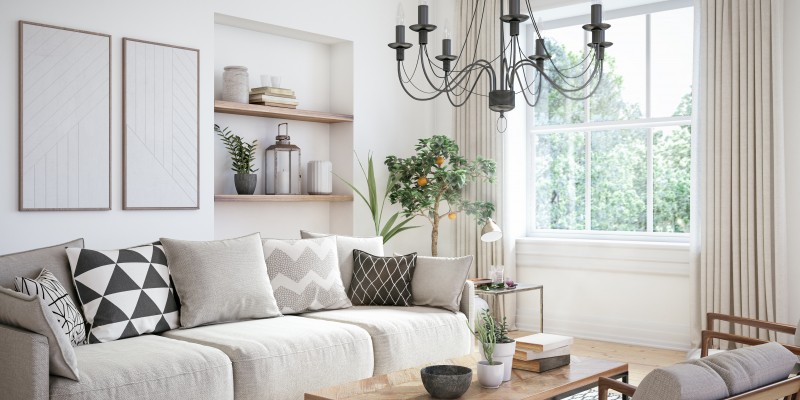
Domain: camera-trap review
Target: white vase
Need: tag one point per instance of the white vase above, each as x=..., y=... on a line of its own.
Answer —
x=503, y=352
x=490, y=376
x=235, y=84
x=319, y=177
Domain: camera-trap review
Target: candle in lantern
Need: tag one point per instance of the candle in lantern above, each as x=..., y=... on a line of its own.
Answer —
x=283, y=182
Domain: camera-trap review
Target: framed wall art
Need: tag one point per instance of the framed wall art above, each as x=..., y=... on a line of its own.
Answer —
x=64, y=119
x=161, y=159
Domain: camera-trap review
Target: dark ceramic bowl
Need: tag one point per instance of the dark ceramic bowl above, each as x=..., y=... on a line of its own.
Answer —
x=446, y=381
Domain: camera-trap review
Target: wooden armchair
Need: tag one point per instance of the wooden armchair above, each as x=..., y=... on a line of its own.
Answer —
x=788, y=388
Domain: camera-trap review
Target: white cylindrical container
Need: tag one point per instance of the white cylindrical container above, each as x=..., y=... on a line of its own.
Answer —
x=320, y=178
x=236, y=84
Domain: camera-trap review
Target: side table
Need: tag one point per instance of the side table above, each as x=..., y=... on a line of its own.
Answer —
x=521, y=287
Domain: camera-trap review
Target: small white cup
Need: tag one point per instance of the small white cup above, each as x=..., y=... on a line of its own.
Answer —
x=276, y=81
x=266, y=80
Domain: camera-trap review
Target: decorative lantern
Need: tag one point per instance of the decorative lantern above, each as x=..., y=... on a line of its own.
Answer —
x=282, y=165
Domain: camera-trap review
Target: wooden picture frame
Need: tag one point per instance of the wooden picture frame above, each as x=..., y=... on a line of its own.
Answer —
x=64, y=119
x=161, y=126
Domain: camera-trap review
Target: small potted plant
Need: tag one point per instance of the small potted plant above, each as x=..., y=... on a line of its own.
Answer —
x=504, y=346
x=243, y=155
x=490, y=371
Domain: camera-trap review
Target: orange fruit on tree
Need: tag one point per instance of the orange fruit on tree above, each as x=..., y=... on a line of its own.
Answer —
x=439, y=160
x=422, y=181
x=451, y=215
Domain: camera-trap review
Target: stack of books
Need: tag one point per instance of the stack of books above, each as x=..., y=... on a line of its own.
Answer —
x=273, y=96
x=479, y=281
x=541, y=352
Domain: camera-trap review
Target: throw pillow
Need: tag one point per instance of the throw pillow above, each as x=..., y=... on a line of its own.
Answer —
x=439, y=281
x=29, y=313
x=221, y=280
x=29, y=264
x=382, y=281
x=54, y=295
x=125, y=292
x=345, y=246
x=305, y=274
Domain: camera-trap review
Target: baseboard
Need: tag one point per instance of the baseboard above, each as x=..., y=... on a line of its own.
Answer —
x=643, y=333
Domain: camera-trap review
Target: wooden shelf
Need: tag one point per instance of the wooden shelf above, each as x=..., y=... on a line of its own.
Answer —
x=260, y=198
x=255, y=110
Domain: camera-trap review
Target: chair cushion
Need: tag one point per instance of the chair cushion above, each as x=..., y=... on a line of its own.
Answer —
x=280, y=358
x=404, y=337
x=690, y=380
x=29, y=264
x=752, y=367
x=147, y=367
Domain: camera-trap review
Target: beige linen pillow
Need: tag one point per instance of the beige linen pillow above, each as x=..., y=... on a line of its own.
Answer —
x=439, y=281
x=345, y=246
x=220, y=280
x=31, y=314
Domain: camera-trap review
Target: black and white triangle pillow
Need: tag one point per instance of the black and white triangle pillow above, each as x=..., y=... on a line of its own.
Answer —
x=47, y=287
x=125, y=292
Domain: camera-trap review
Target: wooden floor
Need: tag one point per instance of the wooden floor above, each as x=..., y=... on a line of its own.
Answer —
x=641, y=360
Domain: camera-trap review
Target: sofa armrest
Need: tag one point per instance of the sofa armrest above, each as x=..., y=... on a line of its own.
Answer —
x=25, y=370
x=467, y=305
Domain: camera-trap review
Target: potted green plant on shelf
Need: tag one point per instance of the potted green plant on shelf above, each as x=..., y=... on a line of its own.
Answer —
x=490, y=370
x=435, y=176
x=243, y=156
x=504, y=346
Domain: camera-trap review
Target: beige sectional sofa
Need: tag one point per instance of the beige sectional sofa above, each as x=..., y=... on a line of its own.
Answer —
x=272, y=358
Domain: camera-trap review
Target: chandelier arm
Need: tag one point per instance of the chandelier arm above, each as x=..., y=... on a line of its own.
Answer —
x=469, y=30
x=470, y=92
x=528, y=84
x=569, y=96
x=555, y=84
x=433, y=63
x=414, y=85
x=409, y=93
x=465, y=74
x=533, y=20
x=585, y=70
x=416, y=65
x=537, y=94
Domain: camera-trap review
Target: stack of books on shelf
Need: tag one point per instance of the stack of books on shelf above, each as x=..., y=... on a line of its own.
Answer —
x=273, y=97
x=541, y=352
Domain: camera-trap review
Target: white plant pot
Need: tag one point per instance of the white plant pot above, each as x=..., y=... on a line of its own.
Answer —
x=503, y=352
x=490, y=376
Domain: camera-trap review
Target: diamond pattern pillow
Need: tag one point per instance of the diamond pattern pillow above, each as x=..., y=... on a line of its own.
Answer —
x=305, y=274
x=382, y=281
x=55, y=297
x=124, y=293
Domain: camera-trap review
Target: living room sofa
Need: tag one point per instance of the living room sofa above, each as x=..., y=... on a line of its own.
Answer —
x=270, y=358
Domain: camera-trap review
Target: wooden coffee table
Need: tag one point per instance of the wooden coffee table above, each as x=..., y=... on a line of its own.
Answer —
x=580, y=375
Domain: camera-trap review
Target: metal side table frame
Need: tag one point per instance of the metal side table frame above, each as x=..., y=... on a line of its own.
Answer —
x=521, y=287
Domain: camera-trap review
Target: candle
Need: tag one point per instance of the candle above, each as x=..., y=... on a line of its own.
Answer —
x=283, y=182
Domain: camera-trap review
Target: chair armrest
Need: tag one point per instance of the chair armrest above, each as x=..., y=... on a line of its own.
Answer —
x=25, y=369
x=707, y=336
x=773, y=326
x=604, y=384
x=467, y=305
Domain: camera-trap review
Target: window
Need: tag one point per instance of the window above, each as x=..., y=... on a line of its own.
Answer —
x=619, y=162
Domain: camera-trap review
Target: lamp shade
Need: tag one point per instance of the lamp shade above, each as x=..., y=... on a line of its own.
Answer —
x=491, y=232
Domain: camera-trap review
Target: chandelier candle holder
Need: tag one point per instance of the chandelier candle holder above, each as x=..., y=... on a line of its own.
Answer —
x=282, y=165
x=512, y=72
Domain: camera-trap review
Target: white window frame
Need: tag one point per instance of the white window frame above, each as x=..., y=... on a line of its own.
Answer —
x=587, y=128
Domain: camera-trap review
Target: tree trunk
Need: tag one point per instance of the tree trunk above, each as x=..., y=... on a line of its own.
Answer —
x=435, y=236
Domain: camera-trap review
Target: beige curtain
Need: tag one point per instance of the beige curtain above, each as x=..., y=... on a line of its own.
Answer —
x=740, y=236
x=476, y=135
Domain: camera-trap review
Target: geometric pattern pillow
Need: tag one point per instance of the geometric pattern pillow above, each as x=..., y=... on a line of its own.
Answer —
x=55, y=297
x=382, y=281
x=305, y=274
x=124, y=293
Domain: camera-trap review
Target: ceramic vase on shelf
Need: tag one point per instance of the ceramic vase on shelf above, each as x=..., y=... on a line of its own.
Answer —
x=319, y=177
x=236, y=84
x=490, y=375
x=503, y=352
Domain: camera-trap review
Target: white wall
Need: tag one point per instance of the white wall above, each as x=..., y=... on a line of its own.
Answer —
x=386, y=120
x=791, y=84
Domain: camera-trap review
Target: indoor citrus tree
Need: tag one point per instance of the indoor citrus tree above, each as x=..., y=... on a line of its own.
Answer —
x=435, y=177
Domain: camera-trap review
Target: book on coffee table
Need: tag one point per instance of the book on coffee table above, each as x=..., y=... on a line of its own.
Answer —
x=543, y=342
x=541, y=365
x=528, y=355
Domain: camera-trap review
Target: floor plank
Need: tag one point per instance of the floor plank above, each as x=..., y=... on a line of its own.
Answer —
x=641, y=360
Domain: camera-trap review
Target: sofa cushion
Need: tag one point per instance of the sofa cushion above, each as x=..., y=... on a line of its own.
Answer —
x=382, y=281
x=220, y=280
x=54, y=295
x=147, y=367
x=404, y=337
x=29, y=264
x=304, y=275
x=439, y=281
x=125, y=292
x=345, y=246
x=29, y=313
x=280, y=358
x=752, y=367
x=690, y=380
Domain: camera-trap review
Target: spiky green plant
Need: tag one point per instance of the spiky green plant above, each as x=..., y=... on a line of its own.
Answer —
x=243, y=154
x=485, y=332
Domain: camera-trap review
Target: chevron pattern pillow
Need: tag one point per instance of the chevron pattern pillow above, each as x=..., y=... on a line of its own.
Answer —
x=382, y=281
x=305, y=274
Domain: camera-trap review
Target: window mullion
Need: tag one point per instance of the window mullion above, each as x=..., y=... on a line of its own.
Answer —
x=650, y=190
x=649, y=113
x=588, y=181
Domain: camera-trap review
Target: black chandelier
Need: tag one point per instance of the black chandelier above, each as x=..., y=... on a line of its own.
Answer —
x=518, y=72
